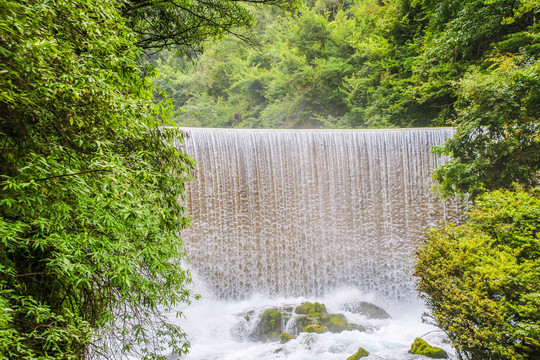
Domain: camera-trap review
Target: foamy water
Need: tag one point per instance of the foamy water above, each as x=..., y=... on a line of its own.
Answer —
x=217, y=330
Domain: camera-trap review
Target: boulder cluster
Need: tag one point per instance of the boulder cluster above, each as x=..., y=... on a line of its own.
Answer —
x=314, y=318
x=308, y=317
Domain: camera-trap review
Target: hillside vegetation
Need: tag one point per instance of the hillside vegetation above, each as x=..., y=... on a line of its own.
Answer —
x=361, y=63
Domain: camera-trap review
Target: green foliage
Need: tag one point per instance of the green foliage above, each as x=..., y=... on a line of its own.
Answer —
x=352, y=64
x=291, y=78
x=481, y=279
x=186, y=25
x=497, y=139
x=89, y=217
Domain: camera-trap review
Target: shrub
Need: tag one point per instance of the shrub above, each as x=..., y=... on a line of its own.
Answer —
x=481, y=279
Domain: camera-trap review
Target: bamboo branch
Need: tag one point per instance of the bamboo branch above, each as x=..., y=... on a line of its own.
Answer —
x=73, y=174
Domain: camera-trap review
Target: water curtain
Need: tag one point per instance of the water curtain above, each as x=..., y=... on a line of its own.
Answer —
x=302, y=212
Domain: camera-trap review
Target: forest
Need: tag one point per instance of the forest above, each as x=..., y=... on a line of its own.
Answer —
x=90, y=176
x=355, y=64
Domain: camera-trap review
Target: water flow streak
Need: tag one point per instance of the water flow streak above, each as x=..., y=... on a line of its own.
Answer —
x=300, y=213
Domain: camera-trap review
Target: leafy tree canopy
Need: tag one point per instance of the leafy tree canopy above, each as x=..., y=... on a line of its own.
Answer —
x=186, y=24
x=482, y=279
x=351, y=64
x=497, y=139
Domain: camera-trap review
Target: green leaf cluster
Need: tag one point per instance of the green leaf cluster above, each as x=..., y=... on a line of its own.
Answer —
x=497, y=140
x=186, y=25
x=481, y=279
x=89, y=215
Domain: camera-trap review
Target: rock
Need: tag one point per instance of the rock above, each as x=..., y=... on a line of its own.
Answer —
x=368, y=309
x=285, y=337
x=308, y=317
x=359, y=354
x=270, y=326
x=335, y=323
x=303, y=321
x=420, y=347
x=313, y=328
x=248, y=315
x=311, y=309
x=316, y=314
x=351, y=327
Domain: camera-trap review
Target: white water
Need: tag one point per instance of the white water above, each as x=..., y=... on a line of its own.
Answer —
x=218, y=331
x=282, y=217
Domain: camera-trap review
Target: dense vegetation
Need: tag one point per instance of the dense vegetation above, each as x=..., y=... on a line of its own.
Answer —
x=89, y=181
x=362, y=63
x=483, y=277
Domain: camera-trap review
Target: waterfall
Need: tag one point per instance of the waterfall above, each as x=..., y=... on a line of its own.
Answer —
x=303, y=212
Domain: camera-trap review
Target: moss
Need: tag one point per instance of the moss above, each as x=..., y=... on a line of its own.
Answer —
x=359, y=354
x=313, y=328
x=312, y=309
x=420, y=347
x=303, y=321
x=334, y=322
x=316, y=314
x=285, y=337
x=270, y=325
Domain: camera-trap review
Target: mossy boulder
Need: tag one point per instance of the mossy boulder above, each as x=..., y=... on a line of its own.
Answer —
x=270, y=325
x=359, y=354
x=285, y=337
x=316, y=314
x=334, y=322
x=420, y=347
x=310, y=314
x=313, y=328
x=370, y=310
x=303, y=321
x=311, y=309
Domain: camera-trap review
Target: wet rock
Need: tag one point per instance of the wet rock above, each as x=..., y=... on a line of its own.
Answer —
x=370, y=310
x=316, y=314
x=359, y=354
x=285, y=337
x=270, y=326
x=334, y=323
x=420, y=347
x=248, y=315
x=351, y=327
x=303, y=321
x=313, y=328
x=311, y=309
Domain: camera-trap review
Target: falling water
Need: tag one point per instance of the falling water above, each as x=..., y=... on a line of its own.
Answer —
x=302, y=213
